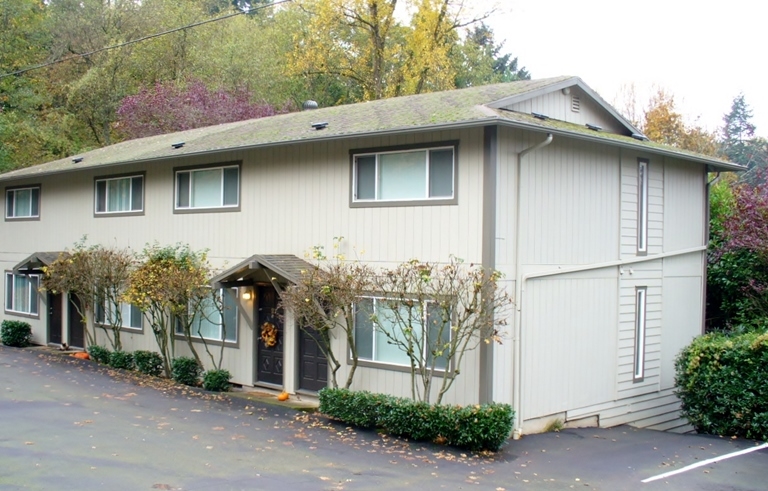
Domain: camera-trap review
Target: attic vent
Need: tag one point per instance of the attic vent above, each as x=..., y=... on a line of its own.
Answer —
x=177, y=144
x=320, y=126
x=640, y=136
x=575, y=104
x=543, y=117
x=309, y=105
x=594, y=127
x=77, y=160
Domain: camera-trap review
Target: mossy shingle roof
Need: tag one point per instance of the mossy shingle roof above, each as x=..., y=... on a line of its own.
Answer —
x=455, y=108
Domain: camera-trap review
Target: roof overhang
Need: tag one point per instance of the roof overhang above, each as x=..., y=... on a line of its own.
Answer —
x=272, y=268
x=34, y=263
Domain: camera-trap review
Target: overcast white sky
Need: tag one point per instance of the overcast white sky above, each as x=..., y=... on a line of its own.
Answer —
x=702, y=52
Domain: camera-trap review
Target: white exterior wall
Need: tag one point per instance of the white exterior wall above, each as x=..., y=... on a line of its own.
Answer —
x=292, y=198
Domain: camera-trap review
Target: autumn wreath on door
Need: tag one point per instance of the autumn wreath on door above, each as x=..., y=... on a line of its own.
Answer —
x=269, y=335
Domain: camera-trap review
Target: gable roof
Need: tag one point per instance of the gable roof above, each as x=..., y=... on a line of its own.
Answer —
x=284, y=267
x=473, y=106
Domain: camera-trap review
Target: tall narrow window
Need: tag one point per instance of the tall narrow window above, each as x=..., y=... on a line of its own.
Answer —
x=642, y=206
x=22, y=203
x=120, y=195
x=640, y=308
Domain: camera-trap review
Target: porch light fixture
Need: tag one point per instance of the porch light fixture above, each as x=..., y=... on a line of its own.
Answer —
x=247, y=294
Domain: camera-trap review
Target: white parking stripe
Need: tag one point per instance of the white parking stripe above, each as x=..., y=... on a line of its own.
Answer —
x=706, y=462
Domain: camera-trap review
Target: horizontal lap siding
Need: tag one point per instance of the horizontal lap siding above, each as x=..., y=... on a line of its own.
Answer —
x=557, y=105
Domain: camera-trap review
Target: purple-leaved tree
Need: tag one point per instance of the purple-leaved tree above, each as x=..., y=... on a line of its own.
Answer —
x=166, y=108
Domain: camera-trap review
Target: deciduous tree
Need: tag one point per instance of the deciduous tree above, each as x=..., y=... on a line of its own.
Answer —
x=436, y=314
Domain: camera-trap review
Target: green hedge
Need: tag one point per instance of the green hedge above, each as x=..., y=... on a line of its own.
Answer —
x=148, y=362
x=16, y=333
x=722, y=382
x=217, y=380
x=121, y=359
x=99, y=354
x=185, y=370
x=476, y=427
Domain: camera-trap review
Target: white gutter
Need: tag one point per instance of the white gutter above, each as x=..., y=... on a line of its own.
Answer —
x=520, y=289
x=517, y=345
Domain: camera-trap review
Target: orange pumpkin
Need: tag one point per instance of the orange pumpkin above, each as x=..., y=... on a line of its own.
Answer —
x=283, y=396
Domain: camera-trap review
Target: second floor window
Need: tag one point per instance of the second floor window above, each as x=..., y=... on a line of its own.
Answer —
x=22, y=203
x=120, y=194
x=422, y=175
x=207, y=188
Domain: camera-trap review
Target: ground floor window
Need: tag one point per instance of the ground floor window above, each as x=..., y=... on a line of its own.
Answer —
x=217, y=319
x=21, y=293
x=130, y=315
x=640, y=308
x=381, y=323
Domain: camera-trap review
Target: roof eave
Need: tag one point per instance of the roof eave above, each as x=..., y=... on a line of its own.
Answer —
x=714, y=165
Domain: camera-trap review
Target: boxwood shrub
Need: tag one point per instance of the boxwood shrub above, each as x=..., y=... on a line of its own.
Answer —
x=721, y=381
x=121, y=359
x=185, y=370
x=16, y=333
x=217, y=380
x=476, y=427
x=148, y=362
x=99, y=354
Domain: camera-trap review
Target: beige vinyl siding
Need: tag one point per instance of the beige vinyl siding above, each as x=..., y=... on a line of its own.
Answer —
x=557, y=105
x=566, y=320
x=629, y=205
x=291, y=198
x=569, y=195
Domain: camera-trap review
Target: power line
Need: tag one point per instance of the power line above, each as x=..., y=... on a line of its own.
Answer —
x=134, y=41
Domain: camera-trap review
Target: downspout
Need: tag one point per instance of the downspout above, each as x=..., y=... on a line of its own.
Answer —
x=517, y=347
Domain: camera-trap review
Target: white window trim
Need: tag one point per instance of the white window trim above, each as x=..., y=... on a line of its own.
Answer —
x=427, y=200
x=14, y=191
x=192, y=170
x=641, y=303
x=374, y=362
x=106, y=197
x=32, y=305
x=642, y=206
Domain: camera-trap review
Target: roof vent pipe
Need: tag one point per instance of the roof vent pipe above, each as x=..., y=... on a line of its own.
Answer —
x=309, y=105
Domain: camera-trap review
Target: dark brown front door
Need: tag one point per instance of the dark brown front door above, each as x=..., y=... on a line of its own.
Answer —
x=313, y=369
x=54, y=318
x=270, y=358
x=76, y=329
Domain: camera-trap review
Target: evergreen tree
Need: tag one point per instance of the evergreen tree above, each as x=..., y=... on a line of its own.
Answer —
x=739, y=142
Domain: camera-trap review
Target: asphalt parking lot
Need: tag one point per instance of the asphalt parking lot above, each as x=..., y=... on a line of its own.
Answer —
x=71, y=424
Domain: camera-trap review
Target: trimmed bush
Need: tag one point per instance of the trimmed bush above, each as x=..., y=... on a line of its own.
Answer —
x=721, y=381
x=216, y=380
x=99, y=353
x=121, y=359
x=16, y=333
x=476, y=427
x=148, y=362
x=185, y=370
